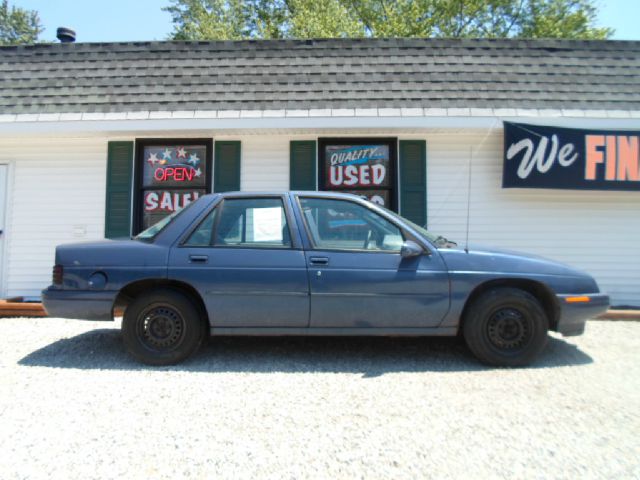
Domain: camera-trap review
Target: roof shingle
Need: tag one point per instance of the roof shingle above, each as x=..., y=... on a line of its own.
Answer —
x=331, y=73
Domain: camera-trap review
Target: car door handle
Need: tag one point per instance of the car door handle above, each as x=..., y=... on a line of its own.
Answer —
x=198, y=258
x=319, y=260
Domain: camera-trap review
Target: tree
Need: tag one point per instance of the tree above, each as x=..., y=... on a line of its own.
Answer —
x=238, y=19
x=18, y=26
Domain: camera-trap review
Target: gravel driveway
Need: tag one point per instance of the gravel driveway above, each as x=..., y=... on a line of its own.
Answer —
x=73, y=405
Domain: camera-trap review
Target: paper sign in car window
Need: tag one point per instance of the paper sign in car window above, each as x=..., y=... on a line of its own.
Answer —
x=267, y=224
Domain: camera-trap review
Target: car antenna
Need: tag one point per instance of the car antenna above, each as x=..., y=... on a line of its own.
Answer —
x=469, y=171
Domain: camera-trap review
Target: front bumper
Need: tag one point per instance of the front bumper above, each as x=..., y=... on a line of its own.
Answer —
x=575, y=310
x=80, y=304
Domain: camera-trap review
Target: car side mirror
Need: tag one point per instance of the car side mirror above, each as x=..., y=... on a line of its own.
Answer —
x=410, y=249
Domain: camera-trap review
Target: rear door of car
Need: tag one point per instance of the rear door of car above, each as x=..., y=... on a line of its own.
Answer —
x=246, y=259
x=357, y=277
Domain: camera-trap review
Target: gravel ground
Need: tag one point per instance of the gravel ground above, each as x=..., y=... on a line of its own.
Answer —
x=74, y=405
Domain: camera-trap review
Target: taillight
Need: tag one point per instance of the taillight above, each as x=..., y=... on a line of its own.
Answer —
x=58, y=271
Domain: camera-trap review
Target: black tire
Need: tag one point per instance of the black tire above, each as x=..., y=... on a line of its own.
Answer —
x=162, y=327
x=505, y=327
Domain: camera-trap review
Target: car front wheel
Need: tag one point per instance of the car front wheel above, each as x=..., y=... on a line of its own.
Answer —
x=162, y=327
x=506, y=327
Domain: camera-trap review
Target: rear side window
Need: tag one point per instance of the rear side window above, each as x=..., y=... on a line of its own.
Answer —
x=244, y=222
x=203, y=235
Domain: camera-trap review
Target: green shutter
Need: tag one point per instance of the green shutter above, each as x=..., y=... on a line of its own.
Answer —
x=226, y=172
x=117, y=221
x=302, y=165
x=413, y=180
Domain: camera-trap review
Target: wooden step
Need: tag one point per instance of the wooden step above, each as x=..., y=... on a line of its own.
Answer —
x=15, y=307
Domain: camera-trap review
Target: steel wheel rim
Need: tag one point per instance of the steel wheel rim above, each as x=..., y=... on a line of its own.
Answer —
x=161, y=328
x=509, y=330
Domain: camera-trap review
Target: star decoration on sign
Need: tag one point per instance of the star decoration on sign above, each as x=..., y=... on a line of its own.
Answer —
x=153, y=159
x=198, y=172
x=181, y=152
x=193, y=160
x=167, y=154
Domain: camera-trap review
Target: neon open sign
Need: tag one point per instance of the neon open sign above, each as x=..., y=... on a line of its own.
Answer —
x=176, y=174
x=174, y=166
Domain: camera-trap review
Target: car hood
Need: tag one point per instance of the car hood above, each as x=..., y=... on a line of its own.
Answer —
x=110, y=253
x=488, y=259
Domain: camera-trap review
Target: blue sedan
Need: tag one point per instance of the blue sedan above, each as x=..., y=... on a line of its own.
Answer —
x=314, y=263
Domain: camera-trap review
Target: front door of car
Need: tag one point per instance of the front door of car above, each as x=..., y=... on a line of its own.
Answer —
x=242, y=260
x=357, y=276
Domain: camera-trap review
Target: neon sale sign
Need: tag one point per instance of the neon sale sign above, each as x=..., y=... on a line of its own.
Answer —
x=168, y=201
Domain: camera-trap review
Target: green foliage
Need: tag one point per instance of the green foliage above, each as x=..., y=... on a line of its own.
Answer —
x=18, y=26
x=237, y=19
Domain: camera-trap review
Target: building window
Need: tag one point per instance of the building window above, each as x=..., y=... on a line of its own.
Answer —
x=170, y=175
x=364, y=166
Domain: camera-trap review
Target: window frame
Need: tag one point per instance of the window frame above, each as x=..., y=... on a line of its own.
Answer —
x=289, y=217
x=363, y=203
x=138, y=171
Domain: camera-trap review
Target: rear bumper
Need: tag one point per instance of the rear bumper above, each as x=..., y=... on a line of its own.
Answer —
x=574, y=314
x=80, y=304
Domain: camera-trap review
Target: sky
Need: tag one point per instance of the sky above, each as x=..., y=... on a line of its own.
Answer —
x=131, y=20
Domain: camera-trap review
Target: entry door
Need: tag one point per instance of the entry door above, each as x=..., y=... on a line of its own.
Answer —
x=242, y=261
x=357, y=277
x=3, y=206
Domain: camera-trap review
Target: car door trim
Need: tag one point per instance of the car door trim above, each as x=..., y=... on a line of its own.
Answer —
x=339, y=331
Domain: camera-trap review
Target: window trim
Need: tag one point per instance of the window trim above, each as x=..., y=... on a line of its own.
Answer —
x=405, y=235
x=220, y=204
x=140, y=144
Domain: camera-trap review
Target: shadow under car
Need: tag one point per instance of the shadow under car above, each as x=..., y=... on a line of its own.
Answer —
x=369, y=356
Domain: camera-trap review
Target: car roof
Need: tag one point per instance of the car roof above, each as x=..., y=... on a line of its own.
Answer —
x=270, y=193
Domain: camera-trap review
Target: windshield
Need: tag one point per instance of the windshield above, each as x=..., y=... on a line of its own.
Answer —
x=151, y=232
x=437, y=240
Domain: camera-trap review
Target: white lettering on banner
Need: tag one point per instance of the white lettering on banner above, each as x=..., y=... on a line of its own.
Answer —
x=358, y=175
x=168, y=201
x=534, y=157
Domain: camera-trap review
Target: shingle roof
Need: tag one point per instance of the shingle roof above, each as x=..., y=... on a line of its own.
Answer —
x=303, y=74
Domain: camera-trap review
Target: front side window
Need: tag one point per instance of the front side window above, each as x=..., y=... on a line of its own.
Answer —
x=345, y=225
x=244, y=222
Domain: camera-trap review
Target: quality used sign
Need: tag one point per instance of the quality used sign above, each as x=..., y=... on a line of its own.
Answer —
x=566, y=158
x=357, y=166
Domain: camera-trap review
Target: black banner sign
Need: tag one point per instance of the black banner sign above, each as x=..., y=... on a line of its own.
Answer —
x=566, y=158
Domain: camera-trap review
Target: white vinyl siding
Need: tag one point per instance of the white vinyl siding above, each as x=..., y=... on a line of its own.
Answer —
x=265, y=162
x=595, y=231
x=57, y=196
x=57, y=190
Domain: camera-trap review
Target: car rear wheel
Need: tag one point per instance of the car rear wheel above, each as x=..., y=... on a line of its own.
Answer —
x=162, y=327
x=506, y=327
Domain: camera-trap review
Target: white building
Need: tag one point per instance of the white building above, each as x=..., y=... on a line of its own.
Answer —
x=85, y=129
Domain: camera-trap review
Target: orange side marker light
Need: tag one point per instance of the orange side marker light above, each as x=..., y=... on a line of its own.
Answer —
x=577, y=299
